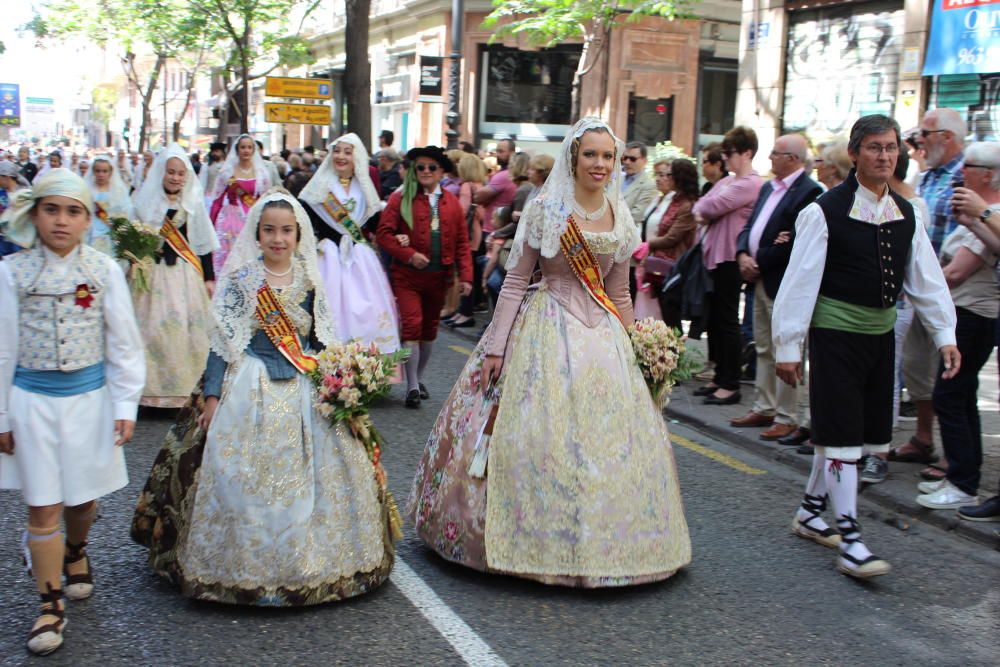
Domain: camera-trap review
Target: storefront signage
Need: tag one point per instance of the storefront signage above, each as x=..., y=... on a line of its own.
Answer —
x=393, y=89
x=10, y=104
x=431, y=74
x=306, y=89
x=965, y=38
x=301, y=114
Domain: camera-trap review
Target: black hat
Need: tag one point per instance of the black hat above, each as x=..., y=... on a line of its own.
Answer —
x=217, y=146
x=435, y=153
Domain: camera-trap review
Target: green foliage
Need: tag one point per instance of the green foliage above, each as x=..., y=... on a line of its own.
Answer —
x=550, y=22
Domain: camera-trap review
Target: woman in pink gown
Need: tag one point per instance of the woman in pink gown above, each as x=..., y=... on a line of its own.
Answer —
x=241, y=181
x=567, y=477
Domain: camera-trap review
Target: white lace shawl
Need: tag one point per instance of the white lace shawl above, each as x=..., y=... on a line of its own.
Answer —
x=235, y=300
x=319, y=185
x=544, y=218
x=261, y=175
x=151, y=203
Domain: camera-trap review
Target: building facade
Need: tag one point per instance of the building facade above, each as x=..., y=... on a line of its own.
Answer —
x=656, y=80
x=816, y=67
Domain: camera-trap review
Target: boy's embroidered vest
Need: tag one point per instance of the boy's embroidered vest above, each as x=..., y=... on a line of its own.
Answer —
x=55, y=332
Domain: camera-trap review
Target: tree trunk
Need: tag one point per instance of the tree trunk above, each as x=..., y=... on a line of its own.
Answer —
x=187, y=104
x=147, y=101
x=357, y=72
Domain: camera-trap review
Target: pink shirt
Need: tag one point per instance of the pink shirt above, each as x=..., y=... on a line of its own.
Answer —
x=779, y=187
x=726, y=208
x=501, y=184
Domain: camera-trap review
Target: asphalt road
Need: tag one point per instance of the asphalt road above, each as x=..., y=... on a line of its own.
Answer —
x=754, y=594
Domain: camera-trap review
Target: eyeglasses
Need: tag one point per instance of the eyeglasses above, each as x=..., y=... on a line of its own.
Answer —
x=777, y=153
x=924, y=133
x=427, y=167
x=876, y=149
x=978, y=166
x=630, y=158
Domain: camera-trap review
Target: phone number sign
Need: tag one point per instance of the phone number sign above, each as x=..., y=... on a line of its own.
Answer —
x=965, y=38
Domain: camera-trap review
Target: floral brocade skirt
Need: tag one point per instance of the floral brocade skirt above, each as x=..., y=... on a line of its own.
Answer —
x=174, y=318
x=581, y=485
x=228, y=225
x=273, y=507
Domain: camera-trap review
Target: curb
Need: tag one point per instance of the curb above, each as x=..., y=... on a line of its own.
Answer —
x=983, y=533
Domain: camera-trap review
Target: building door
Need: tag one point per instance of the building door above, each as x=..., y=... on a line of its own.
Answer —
x=650, y=121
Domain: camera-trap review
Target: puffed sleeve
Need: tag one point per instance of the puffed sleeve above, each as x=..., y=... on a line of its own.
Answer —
x=796, y=299
x=8, y=342
x=124, y=353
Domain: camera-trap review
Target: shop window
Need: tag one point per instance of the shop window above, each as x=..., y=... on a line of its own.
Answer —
x=650, y=121
x=527, y=92
x=717, y=101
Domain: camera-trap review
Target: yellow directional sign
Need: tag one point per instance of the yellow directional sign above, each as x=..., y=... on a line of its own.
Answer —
x=308, y=89
x=302, y=114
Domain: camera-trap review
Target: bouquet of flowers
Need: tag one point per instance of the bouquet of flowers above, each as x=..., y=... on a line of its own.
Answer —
x=662, y=357
x=348, y=378
x=137, y=243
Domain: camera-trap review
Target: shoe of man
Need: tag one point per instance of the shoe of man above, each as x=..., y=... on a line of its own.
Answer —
x=799, y=437
x=805, y=449
x=751, y=419
x=930, y=487
x=779, y=431
x=875, y=470
x=989, y=510
x=948, y=497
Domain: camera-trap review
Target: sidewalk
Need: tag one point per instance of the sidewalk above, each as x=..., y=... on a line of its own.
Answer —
x=898, y=493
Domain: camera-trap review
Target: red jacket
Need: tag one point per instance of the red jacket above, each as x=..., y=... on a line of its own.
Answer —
x=454, y=234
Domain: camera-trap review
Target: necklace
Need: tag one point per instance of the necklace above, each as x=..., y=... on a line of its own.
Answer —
x=279, y=275
x=580, y=212
x=345, y=182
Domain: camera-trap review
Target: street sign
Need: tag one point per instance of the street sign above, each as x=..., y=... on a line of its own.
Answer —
x=431, y=73
x=302, y=114
x=10, y=104
x=307, y=89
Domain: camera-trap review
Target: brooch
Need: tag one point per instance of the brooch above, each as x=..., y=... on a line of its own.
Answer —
x=83, y=296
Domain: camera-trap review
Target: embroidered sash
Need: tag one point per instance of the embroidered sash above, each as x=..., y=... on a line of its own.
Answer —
x=280, y=331
x=583, y=263
x=176, y=240
x=245, y=197
x=101, y=212
x=340, y=214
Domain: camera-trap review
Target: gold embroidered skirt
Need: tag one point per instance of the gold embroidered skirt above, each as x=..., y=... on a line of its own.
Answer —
x=283, y=509
x=581, y=485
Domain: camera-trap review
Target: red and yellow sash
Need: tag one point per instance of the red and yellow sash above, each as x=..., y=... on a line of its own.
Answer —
x=101, y=213
x=279, y=329
x=581, y=259
x=180, y=245
x=248, y=199
x=343, y=216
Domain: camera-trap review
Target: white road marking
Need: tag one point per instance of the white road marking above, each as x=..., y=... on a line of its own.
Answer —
x=469, y=646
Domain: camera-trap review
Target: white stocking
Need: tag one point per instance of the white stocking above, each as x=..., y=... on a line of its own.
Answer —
x=411, y=365
x=842, y=483
x=814, y=500
x=425, y=356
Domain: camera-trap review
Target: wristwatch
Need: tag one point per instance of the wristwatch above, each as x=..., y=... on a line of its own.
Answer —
x=986, y=215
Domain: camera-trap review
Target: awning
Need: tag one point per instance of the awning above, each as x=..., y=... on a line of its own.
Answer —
x=965, y=38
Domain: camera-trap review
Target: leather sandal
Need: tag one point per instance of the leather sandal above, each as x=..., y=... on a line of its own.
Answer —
x=924, y=454
x=48, y=636
x=933, y=473
x=78, y=586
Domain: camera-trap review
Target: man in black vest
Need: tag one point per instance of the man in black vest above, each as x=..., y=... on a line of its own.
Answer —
x=856, y=248
x=762, y=250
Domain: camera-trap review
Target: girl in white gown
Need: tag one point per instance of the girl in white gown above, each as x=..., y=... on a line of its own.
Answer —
x=343, y=205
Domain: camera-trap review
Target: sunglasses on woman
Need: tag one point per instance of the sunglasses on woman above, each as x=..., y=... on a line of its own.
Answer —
x=427, y=167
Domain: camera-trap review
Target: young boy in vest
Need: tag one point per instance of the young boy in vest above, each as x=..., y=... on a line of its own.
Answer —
x=72, y=370
x=856, y=248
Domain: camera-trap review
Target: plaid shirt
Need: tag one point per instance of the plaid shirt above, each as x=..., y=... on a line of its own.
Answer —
x=937, y=187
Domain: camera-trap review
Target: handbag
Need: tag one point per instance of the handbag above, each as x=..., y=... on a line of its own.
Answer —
x=656, y=269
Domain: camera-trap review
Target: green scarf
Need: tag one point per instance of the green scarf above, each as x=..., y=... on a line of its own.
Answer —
x=410, y=186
